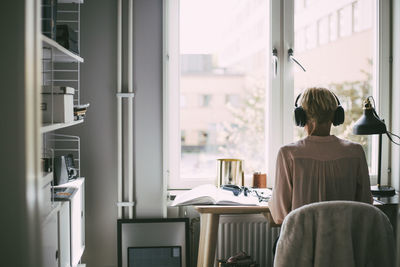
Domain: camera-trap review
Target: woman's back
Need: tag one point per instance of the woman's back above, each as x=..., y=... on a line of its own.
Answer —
x=319, y=168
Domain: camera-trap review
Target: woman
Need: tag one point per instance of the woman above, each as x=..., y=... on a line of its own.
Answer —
x=320, y=167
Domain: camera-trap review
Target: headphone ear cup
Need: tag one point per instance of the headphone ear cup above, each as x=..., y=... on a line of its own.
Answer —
x=300, y=116
x=339, y=116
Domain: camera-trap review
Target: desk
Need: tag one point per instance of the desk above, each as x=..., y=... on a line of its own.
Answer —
x=209, y=219
x=389, y=206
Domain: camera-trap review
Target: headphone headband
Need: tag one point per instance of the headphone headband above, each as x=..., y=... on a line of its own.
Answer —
x=337, y=99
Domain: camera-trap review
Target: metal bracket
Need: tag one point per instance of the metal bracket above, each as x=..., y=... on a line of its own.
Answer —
x=126, y=95
x=125, y=204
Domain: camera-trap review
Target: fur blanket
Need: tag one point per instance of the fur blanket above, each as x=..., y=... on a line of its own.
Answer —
x=337, y=234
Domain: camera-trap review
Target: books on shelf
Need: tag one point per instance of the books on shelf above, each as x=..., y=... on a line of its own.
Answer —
x=80, y=111
x=211, y=195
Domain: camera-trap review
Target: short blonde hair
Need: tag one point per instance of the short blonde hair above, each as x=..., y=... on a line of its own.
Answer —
x=319, y=104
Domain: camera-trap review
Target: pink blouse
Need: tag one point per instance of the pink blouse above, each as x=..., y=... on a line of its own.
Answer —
x=318, y=168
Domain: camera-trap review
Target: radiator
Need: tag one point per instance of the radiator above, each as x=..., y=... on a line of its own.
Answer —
x=251, y=234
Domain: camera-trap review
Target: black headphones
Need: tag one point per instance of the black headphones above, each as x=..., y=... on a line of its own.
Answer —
x=301, y=118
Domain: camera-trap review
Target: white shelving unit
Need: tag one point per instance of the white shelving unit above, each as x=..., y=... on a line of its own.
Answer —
x=61, y=67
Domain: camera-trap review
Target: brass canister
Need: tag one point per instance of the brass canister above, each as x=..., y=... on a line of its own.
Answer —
x=230, y=171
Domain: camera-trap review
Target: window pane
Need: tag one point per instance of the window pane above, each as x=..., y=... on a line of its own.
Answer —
x=344, y=63
x=223, y=73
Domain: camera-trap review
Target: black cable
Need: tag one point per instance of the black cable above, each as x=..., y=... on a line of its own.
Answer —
x=261, y=198
x=389, y=135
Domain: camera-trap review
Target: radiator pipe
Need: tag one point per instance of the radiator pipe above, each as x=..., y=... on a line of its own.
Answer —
x=119, y=107
x=130, y=108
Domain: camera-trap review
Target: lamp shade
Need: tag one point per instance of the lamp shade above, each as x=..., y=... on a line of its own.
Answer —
x=369, y=123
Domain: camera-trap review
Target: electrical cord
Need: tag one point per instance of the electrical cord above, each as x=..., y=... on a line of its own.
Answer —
x=390, y=136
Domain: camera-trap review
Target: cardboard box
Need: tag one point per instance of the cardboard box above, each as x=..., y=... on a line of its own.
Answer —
x=59, y=104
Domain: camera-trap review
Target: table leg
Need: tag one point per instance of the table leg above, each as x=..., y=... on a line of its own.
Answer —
x=208, y=237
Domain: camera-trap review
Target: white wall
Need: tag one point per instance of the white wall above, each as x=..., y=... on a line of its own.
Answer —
x=19, y=203
x=147, y=79
x=99, y=131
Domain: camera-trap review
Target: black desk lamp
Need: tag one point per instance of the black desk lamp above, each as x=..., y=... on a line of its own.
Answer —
x=368, y=124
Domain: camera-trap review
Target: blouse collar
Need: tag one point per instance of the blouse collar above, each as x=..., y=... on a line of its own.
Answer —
x=315, y=138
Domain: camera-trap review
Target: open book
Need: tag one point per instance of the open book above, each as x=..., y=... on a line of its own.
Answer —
x=210, y=194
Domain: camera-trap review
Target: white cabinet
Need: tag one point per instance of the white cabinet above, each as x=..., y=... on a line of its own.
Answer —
x=64, y=229
x=77, y=212
x=50, y=249
x=72, y=222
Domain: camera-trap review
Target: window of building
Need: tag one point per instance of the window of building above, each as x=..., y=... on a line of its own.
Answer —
x=202, y=138
x=323, y=31
x=183, y=137
x=333, y=26
x=205, y=100
x=311, y=36
x=345, y=21
x=233, y=100
x=363, y=15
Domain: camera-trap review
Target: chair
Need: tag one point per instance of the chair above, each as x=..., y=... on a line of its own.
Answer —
x=336, y=233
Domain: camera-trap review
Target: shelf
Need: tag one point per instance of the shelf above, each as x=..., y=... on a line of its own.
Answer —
x=61, y=53
x=55, y=126
x=70, y=1
x=73, y=183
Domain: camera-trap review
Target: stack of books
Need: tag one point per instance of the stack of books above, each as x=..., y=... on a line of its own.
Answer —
x=80, y=111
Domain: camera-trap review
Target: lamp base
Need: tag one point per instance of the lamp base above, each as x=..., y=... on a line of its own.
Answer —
x=382, y=191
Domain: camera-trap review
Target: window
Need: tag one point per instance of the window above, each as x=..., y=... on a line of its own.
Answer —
x=363, y=15
x=323, y=31
x=183, y=137
x=311, y=36
x=333, y=26
x=205, y=100
x=244, y=107
x=233, y=100
x=345, y=21
x=222, y=61
x=202, y=138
